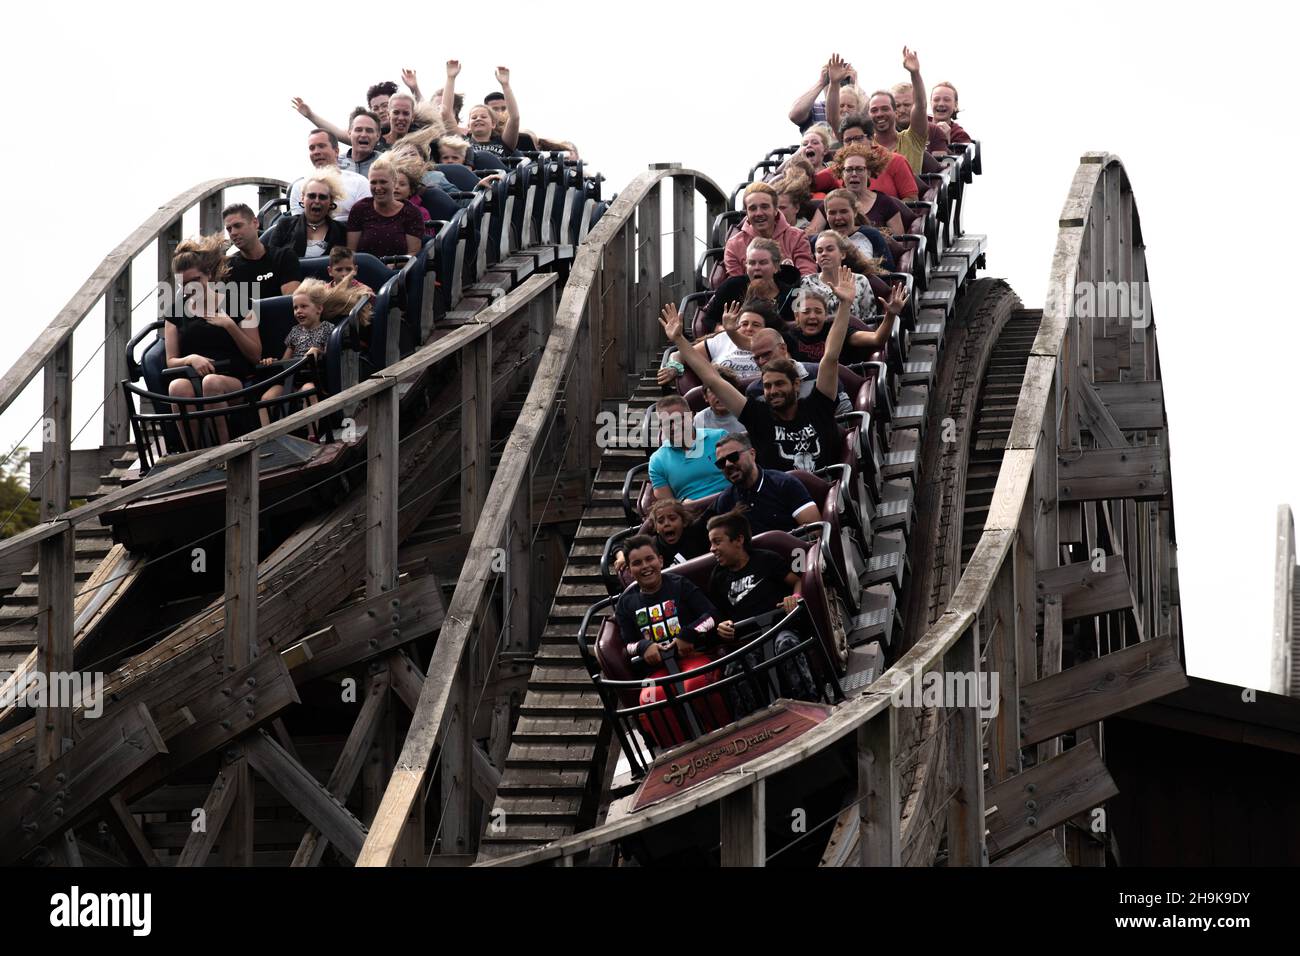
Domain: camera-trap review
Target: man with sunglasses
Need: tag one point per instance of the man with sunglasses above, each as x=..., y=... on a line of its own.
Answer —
x=323, y=151
x=773, y=500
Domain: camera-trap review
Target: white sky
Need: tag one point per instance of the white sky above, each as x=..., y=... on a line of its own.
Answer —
x=151, y=98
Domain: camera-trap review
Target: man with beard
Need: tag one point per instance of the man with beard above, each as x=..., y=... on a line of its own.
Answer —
x=883, y=110
x=789, y=432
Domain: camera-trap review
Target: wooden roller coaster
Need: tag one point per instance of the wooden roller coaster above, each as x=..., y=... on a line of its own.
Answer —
x=392, y=677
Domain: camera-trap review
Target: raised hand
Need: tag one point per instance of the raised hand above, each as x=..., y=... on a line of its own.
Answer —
x=910, y=62
x=844, y=284
x=671, y=322
x=408, y=77
x=300, y=106
x=503, y=76
x=896, y=302
x=731, y=317
x=453, y=69
x=836, y=69
x=824, y=77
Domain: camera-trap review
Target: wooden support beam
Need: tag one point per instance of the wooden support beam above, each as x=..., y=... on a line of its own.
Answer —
x=210, y=213
x=56, y=433
x=58, y=794
x=126, y=831
x=1085, y=592
x=1098, y=473
x=518, y=572
x=1099, y=688
x=475, y=428
x=455, y=762
x=348, y=766
x=1053, y=645
x=609, y=286
x=371, y=628
x=117, y=333
x=1042, y=850
x=1003, y=644
x=169, y=237
x=743, y=818
x=879, y=840
x=242, y=505
x=966, y=760
x=297, y=785
x=683, y=235
x=649, y=277
x=242, y=700
x=1029, y=804
x=1094, y=416
x=381, y=493
x=55, y=588
x=216, y=808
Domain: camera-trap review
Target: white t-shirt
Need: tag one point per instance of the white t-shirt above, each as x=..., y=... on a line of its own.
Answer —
x=723, y=351
x=355, y=187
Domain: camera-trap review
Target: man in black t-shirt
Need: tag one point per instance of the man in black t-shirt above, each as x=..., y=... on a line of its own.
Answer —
x=256, y=272
x=749, y=582
x=788, y=432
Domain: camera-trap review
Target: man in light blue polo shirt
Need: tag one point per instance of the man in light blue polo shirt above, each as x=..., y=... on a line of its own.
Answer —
x=684, y=466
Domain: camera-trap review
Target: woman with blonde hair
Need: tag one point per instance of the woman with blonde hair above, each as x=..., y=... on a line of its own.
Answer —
x=314, y=231
x=219, y=351
x=382, y=224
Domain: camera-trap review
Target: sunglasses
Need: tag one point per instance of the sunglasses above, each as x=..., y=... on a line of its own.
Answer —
x=731, y=459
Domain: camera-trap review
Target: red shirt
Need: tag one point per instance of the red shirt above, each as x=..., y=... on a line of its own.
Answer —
x=825, y=181
x=897, y=179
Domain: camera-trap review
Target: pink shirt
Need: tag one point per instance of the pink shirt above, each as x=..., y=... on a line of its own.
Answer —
x=793, y=243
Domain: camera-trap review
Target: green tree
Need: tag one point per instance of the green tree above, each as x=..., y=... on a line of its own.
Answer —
x=17, y=510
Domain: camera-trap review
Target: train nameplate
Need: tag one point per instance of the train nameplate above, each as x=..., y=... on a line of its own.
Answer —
x=726, y=749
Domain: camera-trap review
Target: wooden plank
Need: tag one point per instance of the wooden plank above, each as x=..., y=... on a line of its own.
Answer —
x=117, y=333
x=475, y=428
x=381, y=494
x=1099, y=688
x=456, y=768
x=56, y=432
x=1085, y=592
x=239, y=702
x=59, y=793
x=1029, y=804
x=683, y=235
x=242, y=505
x=216, y=809
x=55, y=589
x=743, y=820
x=1096, y=474
x=1042, y=850
x=376, y=626
x=1002, y=642
x=1053, y=644
x=966, y=845
x=300, y=788
x=879, y=838
x=1135, y=405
